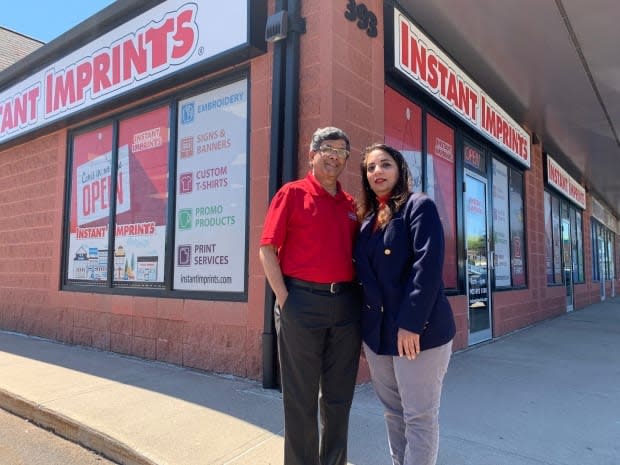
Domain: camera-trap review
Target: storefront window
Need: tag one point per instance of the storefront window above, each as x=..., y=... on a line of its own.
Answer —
x=87, y=257
x=403, y=131
x=440, y=185
x=607, y=247
x=508, y=228
x=123, y=188
x=501, y=226
x=517, y=230
x=596, y=275
x=610, y=254
x=548, y=240
x=141, y=199
x=555, y=249
x=211, y=191
x=602, y=252
x=577, y=252
x=577, y=244
x=581, y=264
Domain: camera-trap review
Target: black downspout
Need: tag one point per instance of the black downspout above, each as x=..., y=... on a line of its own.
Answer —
x=270, y=378
x=297, y=26
x=283, y=152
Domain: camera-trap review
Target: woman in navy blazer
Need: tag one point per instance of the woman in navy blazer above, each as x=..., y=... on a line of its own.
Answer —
x=407, y=322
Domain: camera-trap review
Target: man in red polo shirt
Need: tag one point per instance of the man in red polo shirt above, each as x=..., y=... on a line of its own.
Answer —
x=306, y=251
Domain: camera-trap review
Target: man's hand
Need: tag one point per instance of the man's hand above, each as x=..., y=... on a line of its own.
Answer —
x=269, y=258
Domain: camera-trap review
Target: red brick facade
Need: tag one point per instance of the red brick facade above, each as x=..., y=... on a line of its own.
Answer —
x=342, y=84
x=208, y=335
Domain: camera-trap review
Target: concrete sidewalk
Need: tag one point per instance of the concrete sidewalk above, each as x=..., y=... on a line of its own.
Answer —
x=546, y=395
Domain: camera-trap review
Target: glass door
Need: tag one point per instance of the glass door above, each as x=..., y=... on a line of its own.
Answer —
x=567, y=261
x=477, y=250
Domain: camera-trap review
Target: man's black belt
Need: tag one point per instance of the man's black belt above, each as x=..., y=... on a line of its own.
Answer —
x=330, y=288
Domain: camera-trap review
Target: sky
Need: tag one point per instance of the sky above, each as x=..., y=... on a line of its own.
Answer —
x=47, y=19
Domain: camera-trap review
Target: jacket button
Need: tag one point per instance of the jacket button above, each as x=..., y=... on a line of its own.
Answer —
x=387, y=251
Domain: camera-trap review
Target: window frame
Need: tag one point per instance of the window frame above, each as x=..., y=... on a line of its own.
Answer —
x=454, y=211
x=577, y=239
x=172, y=103
x=405, y=142
x=462, y=134
x=598, y=230
x=511, y=170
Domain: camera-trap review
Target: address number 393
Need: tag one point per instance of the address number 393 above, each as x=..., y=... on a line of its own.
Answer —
x=366, y=19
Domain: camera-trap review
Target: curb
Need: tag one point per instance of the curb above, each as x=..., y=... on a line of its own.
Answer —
x=72, y=430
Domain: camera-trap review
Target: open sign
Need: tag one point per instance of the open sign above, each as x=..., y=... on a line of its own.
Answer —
x=94, y=184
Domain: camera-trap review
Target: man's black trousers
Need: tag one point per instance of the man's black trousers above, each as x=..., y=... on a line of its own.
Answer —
x=319, y=345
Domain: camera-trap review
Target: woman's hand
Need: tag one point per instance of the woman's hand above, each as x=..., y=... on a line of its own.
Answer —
x=408, y=344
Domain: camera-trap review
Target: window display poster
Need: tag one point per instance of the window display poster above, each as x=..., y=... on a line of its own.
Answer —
x=501, y=230
x=574, y=245
x=609, y=256
x=403, y=131
x=557, y=251
x=441, y=187
x=91, y=180
x=548, y=240
x=579, y=229
x=210, y=232
x=516, y=229
x=141, y=210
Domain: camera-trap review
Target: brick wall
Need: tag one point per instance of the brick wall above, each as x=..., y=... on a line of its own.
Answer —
x=342, y=80
x=341, y=84
x=29, y=192
x=209, y=335
x=14, y=47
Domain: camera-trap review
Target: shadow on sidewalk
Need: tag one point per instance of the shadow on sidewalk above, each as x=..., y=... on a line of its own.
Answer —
x=547, y=394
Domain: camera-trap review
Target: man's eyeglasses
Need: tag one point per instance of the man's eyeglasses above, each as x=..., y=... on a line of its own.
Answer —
x=328, y=150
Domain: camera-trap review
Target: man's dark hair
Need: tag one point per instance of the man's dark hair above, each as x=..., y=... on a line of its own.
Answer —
x=328, y=133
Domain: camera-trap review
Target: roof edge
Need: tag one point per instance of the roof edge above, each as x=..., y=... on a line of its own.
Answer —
x=88, y=30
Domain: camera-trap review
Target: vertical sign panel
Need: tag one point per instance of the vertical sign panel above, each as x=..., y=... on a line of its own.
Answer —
x=141, y=205
x=91, y=180
x=501, y=230
x=517, y=257
x=440, y=174
x=403, y=131
x=210, y=239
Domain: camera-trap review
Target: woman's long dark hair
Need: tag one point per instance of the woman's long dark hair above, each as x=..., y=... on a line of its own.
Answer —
x=368, y=203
